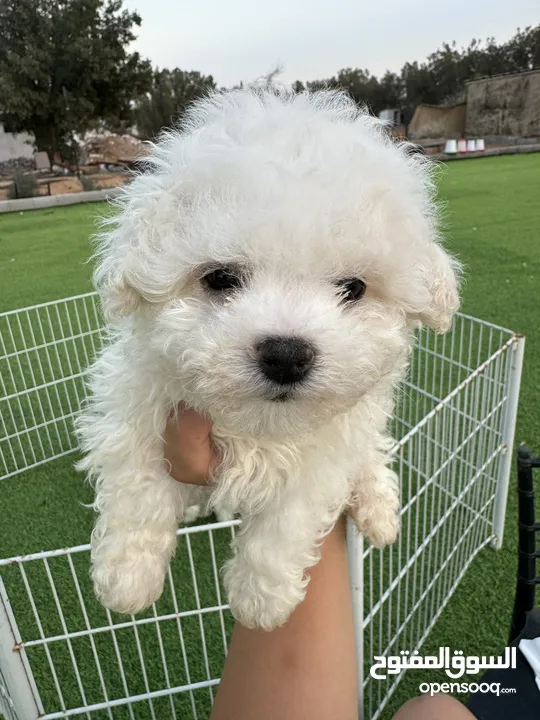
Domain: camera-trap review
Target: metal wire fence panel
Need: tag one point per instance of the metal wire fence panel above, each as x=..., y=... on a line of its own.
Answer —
x=451, y=471
x=453, y=425
x=88, y=661
x=44, y=351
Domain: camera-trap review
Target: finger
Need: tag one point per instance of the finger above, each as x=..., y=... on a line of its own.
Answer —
x=192, y=427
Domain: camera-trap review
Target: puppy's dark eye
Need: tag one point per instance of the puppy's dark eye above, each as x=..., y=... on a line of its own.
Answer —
x=351, y=289
x=222, y=279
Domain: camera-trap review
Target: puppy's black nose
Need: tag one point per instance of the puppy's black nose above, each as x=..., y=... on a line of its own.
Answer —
x=285, y=360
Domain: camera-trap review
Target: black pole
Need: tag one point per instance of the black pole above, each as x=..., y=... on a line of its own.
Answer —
x=527, y=552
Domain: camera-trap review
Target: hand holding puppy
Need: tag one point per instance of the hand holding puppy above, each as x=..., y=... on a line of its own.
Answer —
x=187, y=449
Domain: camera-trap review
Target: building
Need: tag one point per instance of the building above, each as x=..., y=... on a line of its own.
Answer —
x=13, y=146
x=394, y=116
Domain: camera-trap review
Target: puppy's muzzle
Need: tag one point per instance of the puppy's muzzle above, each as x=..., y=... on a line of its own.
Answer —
x=285, y=360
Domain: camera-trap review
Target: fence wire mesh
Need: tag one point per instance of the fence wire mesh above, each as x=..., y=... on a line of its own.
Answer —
x=450, y=467
x=43, y=353
x=76, y=659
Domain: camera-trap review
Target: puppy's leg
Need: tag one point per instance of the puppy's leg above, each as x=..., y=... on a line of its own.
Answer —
x=375, y=501
x=196, y=503
x=135, y=534
x=137, y=502
x=195, y=499
x=266, y=579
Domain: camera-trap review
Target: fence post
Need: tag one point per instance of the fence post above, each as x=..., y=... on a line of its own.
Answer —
x=19, y=697
x=355, y=554
x=512, y=382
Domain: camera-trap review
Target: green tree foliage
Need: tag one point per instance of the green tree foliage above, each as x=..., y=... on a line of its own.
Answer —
x=442, y=77
x=164, y=104
x=65, y=67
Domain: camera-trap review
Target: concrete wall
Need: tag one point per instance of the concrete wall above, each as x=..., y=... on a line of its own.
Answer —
x=15, y=146
x=47, y=201
x=504, y=105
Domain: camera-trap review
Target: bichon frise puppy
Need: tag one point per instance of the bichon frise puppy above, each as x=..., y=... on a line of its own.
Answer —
x=267, y=269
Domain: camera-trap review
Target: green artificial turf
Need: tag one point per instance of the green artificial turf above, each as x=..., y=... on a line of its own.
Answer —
x=44, y=253
x=492, y=219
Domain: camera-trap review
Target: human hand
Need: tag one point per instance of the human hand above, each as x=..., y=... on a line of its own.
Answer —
x=188, y=451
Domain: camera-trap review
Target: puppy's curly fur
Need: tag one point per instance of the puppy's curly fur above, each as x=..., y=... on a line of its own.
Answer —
x=293, y=197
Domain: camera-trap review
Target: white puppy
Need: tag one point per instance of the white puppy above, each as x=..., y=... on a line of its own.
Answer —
x=266, y=270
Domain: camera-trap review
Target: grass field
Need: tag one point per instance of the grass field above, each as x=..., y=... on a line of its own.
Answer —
x=493, y=222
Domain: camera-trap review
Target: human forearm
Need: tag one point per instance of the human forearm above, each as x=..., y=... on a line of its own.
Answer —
x=305, y=669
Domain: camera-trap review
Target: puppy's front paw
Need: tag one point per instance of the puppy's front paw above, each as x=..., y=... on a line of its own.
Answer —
x=128, y=584
x=191, y=514
x=224, y=514
x=256, y=601
x=375, y=510
x=379, y=524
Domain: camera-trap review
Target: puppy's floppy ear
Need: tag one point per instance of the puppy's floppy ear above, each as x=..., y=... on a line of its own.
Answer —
x=118, y=297
x=135, y=256
x=440, y=276
x=123, y=248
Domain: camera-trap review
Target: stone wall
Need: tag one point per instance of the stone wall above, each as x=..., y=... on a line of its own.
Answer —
x=504, y=105
x=433, y=121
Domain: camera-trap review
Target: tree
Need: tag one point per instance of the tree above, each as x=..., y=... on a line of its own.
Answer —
x=439, y=79
x=522, y=52
x=392, y=90
x=164, y=104
x=65, y=67
x=443, y=76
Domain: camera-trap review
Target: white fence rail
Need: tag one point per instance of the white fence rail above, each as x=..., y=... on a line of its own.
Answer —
x=62, y=655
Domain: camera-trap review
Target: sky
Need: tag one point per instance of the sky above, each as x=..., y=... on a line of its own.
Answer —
x=235, y=40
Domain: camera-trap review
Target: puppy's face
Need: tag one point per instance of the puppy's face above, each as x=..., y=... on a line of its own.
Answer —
x=277, y=333
x=278, y=268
